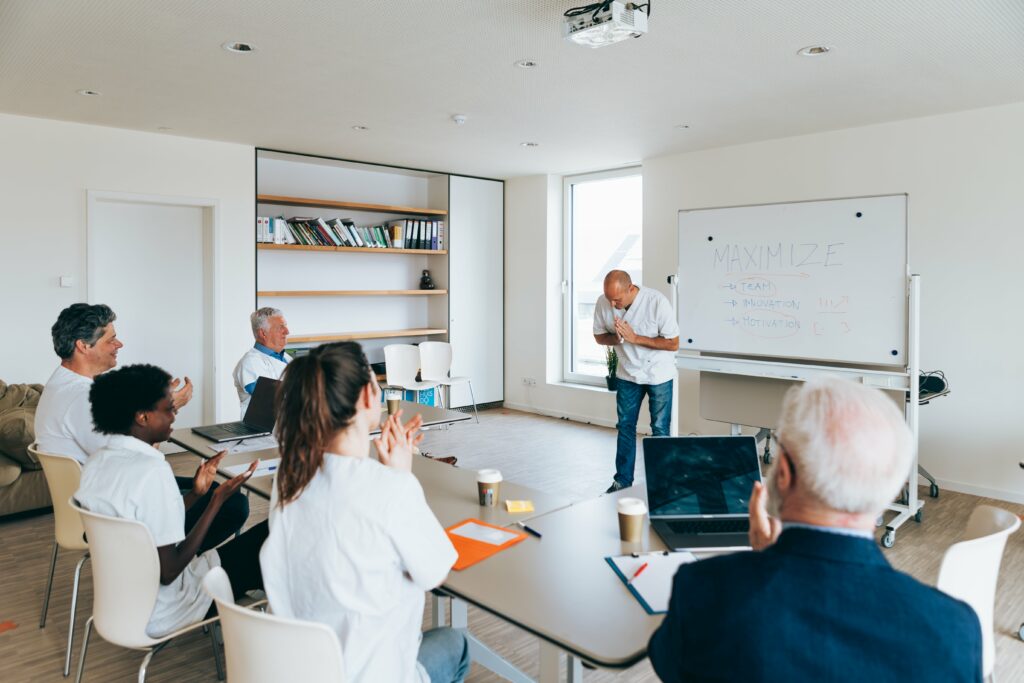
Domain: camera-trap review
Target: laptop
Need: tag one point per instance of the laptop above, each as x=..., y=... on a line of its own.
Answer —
x=698, y=489
x=258, y=420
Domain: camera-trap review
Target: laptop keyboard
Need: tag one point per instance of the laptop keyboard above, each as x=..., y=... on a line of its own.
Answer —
x=237, y=428
x=710, y=526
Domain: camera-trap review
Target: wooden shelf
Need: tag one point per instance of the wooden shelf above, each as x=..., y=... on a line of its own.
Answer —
x=361, y=250
x=356, y=292
x=346, y=336
x=352, y=206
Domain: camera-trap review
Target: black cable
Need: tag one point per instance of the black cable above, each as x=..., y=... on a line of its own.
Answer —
x=597, y=7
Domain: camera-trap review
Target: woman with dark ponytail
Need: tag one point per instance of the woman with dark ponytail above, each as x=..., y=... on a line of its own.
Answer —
x=352, y=542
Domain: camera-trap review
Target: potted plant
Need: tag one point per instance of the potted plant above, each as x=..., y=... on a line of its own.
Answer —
x=612, y=361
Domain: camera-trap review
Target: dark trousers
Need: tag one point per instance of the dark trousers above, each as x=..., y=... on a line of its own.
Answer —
x=229, y=519
x=628, y=397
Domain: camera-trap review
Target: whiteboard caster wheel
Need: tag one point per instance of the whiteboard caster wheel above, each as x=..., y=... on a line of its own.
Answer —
x=904, y=497
x=918, y=516
x=889, y=539
x=1020, y=632
x=767, y=458
x=933, y=491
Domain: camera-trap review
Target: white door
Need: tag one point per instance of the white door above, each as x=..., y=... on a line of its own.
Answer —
x=477, y=292
x=150, y=263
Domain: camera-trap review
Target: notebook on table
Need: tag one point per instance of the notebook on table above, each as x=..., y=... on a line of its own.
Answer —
x=258, y=420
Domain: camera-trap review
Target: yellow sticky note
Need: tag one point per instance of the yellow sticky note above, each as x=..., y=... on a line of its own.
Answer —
x=519, y=505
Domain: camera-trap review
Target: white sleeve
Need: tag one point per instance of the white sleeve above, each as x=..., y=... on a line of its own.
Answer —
x=601, y=316
x=427, y=553
x=668, y=325
x=247, y=372
x=160, y=507
x=79, y=421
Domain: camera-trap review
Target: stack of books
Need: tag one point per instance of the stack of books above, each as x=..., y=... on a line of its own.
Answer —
x=404, y=233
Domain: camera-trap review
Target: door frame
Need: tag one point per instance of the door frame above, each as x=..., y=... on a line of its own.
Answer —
x=211, y=258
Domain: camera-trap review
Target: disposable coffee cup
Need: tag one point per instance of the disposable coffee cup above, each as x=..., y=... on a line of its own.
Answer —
x=393, y=397
x=488, y=484
x=631, y=518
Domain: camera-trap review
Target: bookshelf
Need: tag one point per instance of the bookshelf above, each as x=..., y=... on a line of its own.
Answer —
x=371, y=294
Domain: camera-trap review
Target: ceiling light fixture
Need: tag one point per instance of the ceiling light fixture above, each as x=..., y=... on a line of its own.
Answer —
x=526, y=64
x=240, y=48
x=361, y=129
x=89, y=93
x=529, y=144
x=681, y=126
x=605, y=22
x=814, y=51
x=459, y=119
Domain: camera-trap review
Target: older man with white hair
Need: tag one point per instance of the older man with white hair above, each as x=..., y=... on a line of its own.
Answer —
x=267, y=357
x=819, y=602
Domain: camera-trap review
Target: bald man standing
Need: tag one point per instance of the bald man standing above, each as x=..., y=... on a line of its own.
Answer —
x=640, y=323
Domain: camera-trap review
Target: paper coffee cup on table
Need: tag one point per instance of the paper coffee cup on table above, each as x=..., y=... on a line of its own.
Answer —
x=631, y=518
x=488, y=484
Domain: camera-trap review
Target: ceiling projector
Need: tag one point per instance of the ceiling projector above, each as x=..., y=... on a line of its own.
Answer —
x=604, y=23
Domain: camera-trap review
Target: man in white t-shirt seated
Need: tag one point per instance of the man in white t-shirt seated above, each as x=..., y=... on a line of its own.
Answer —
x=641, y=325
x=266, y=358
x=86, y=342
x=130, y=479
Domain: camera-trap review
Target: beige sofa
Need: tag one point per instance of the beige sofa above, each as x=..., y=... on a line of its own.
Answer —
x=22, y=483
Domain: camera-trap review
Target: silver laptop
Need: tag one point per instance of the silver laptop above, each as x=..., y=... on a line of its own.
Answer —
x=258, y=420
x=698, y=489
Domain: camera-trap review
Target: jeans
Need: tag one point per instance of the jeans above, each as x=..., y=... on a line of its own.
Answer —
x=628, y=398
x=444, y=653
x=229, y=519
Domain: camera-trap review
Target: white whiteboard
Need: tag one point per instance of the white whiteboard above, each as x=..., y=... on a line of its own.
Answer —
x=817, y=280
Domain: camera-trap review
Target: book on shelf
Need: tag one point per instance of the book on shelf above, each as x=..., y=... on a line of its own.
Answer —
x=401, y=233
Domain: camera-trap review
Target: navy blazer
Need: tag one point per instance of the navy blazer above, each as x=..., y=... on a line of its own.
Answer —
x=816, y=606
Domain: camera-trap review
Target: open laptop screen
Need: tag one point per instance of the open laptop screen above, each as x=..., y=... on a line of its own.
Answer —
x=700, y=475
x=260, y=412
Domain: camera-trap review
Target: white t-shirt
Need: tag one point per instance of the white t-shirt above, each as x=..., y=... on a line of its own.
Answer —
x=130, y=479
x=63, y=422
x=253, y=365
x=650, y=315
x=357, y=550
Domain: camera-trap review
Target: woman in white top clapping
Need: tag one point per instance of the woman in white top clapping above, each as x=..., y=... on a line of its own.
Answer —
x=352, y=542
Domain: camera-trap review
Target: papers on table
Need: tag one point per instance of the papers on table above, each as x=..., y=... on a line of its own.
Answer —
x=653, y=587
x=257, y=443
x=475, y=540
x=484, y=534
x=265, y=469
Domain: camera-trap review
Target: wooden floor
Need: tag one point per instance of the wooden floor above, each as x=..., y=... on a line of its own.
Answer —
x=554, y=455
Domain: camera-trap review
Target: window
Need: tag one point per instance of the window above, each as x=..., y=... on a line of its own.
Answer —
x=603, y=232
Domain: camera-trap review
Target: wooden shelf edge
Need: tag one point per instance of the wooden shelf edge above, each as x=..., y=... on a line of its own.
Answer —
x=356, y=292
x=352, y=206
x=361, y=250
x=346, y=336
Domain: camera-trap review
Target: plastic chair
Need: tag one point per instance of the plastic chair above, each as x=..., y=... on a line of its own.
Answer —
x=125, y=578
x=262, y=648
x=401, y=362
x=436, y=366
x=63, y=475
x=970, y=569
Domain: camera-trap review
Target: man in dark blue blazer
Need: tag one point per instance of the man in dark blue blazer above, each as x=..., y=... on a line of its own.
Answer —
x=819, y=602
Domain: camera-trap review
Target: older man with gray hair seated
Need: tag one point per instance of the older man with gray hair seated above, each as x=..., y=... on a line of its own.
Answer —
x=819, y=601
x=266, y=358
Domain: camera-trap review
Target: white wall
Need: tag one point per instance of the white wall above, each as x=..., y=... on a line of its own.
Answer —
x=964, y=174
x=46, y=168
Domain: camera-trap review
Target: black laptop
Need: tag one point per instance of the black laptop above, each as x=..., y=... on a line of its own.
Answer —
x=698, y=489
x=258, y=420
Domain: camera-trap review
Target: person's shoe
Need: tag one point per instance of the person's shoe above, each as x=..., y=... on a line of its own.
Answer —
x=616, y=486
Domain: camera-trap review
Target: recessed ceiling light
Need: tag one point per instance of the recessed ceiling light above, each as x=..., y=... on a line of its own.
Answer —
x=814, y=51
x=526, y=64
x=681, y=126
x=241, y=48
x=529, y=144
x=360, y=128
x=89, y=93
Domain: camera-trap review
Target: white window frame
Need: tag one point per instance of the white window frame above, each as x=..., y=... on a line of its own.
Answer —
x=568, y=324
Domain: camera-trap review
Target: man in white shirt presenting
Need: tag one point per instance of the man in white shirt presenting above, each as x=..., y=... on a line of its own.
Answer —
x=641, y=325
x=266, y=358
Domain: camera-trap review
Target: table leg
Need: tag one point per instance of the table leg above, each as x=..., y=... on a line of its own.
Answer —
x=460, y=613
x=549, y=663
x=438, y=607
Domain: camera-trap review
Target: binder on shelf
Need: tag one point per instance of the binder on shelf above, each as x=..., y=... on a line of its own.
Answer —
x=440, y=234
x=433, y=236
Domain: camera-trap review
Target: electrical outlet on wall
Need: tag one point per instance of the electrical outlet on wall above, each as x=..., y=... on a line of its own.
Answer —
x=529, y=382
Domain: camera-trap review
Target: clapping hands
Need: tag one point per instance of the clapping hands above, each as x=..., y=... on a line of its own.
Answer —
x=396, y=441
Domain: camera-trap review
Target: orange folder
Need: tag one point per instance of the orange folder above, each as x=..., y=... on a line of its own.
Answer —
x=472, y=551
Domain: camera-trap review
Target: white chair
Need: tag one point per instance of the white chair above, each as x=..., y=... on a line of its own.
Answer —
x=436, y=366
x=970, y=569
x=63, y=475
x=262, y=648
x=125, y=578
x=401, y=362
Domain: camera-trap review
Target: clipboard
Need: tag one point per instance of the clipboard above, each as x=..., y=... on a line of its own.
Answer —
x=653, y=587
x=475, y=540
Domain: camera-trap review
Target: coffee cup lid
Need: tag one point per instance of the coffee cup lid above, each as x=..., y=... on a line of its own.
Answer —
x=631, y=506
x=488, y=476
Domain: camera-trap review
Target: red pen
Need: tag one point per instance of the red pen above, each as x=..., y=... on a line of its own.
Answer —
x=637, y=573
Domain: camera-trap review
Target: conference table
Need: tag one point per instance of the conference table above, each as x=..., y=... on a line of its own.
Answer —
x=558, y=588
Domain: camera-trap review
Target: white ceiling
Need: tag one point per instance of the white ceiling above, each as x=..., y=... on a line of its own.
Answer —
x=727, y=68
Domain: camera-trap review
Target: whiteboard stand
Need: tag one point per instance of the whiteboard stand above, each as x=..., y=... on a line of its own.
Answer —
x=889, y=380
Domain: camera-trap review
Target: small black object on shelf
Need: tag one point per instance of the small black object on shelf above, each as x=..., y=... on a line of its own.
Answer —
x=427, y=282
